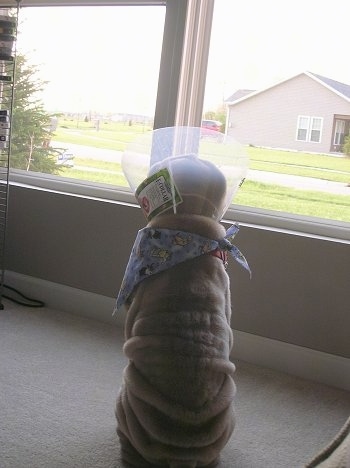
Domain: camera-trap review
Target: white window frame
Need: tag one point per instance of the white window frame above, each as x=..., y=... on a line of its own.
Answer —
x=302, y=127
x=309, y=128
x=179, y=101
x=313, y=128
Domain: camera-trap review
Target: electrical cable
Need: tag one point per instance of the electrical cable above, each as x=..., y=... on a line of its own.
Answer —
x=30, y=302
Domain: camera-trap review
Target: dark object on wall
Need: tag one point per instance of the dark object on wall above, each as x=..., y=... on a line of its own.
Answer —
x=8, y=33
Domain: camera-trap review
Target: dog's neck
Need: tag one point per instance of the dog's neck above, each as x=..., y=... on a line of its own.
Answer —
x=197, y=224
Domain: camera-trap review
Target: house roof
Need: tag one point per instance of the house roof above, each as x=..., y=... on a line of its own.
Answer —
x=239, y=94
x=341, y=89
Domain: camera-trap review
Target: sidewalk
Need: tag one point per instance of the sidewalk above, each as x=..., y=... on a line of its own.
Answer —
x=304, y=183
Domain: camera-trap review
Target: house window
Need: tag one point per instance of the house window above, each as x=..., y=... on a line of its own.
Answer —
x=315, y=130
x=303, y=128
x=309, y=129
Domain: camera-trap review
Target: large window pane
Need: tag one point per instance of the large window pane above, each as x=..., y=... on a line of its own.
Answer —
x=277, y=83
x=97, y=69
x=316, y=130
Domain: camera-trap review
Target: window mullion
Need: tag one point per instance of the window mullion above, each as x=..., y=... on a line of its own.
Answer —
x=194, y=62
x=170, y=64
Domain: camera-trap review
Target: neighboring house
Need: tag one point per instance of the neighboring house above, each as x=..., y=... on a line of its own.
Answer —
x=307, y=112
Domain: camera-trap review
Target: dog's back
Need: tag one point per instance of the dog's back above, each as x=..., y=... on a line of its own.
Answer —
x=175, y=407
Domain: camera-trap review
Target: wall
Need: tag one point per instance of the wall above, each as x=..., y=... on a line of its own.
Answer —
x=299, y=292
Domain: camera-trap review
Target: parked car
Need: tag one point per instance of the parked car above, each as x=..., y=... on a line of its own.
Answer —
x=65, y=159
x=212, y=125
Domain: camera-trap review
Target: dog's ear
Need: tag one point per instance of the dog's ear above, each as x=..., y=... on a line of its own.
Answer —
x=202, y=187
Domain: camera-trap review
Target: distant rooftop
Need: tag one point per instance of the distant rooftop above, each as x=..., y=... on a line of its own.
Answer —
x=336, y=86
x=239, y=94
x=342, y=88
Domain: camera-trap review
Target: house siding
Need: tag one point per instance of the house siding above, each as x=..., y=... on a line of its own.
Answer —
x=270, y=118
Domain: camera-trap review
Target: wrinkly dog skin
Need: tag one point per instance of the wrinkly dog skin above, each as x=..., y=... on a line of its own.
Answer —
x=175, y=406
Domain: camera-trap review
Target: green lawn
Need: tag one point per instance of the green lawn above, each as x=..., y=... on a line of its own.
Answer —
x=98, y=165
x=111, y=135
x=262, y=195
x=336, y=169
x=113, y=178
x=285, y=199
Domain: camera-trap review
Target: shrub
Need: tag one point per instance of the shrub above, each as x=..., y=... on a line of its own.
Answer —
x=346, y=146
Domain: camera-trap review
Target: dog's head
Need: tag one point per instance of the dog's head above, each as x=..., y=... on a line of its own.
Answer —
x=202, y=187
x=181, y=170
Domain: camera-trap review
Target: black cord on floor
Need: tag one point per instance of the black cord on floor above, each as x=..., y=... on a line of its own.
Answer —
x=24, y=301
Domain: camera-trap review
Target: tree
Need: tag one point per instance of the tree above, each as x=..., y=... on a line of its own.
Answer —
x=218, y=114
x=346, y=146
x=31, y=125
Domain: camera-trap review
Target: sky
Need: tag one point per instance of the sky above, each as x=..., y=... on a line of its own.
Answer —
x=107, y=58
x=256, y=43
x=95, y=58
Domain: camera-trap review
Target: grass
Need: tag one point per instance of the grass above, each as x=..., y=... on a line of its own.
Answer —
x=299, y=159
x=98, y=165
x=317, y=173
x=271, y=197
x=97, y=171
x=112, y=135
x=302, y=202
x=336, y=169
x=112, y=178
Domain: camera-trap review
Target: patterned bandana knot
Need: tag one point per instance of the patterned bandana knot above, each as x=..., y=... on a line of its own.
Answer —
x=226, y=244
x=156, y=250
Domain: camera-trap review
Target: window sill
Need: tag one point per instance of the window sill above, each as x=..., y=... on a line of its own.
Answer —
x=69, y=186
x=330, y=230
x=308, y=226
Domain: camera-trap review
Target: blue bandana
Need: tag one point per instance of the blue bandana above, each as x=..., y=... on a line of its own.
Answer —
x=156, y=250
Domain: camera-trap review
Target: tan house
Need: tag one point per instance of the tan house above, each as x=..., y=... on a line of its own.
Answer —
x=306, y=112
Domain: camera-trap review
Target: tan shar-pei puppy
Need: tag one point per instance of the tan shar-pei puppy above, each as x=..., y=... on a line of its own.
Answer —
x=175, y=406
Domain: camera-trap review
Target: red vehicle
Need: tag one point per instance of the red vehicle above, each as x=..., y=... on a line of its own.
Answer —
x=212, y=125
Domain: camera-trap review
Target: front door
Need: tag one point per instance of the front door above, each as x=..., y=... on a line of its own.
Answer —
x=341, y=131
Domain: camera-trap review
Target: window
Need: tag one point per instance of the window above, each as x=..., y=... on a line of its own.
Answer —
x=303, y=188
x=280, y=94
x=316, y=127
x=97, y=69
x=303, y=128
x=112, y=71
x=309, y=129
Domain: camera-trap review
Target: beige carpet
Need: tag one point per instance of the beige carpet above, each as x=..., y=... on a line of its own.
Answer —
x=59, y=376
x=337, y=453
